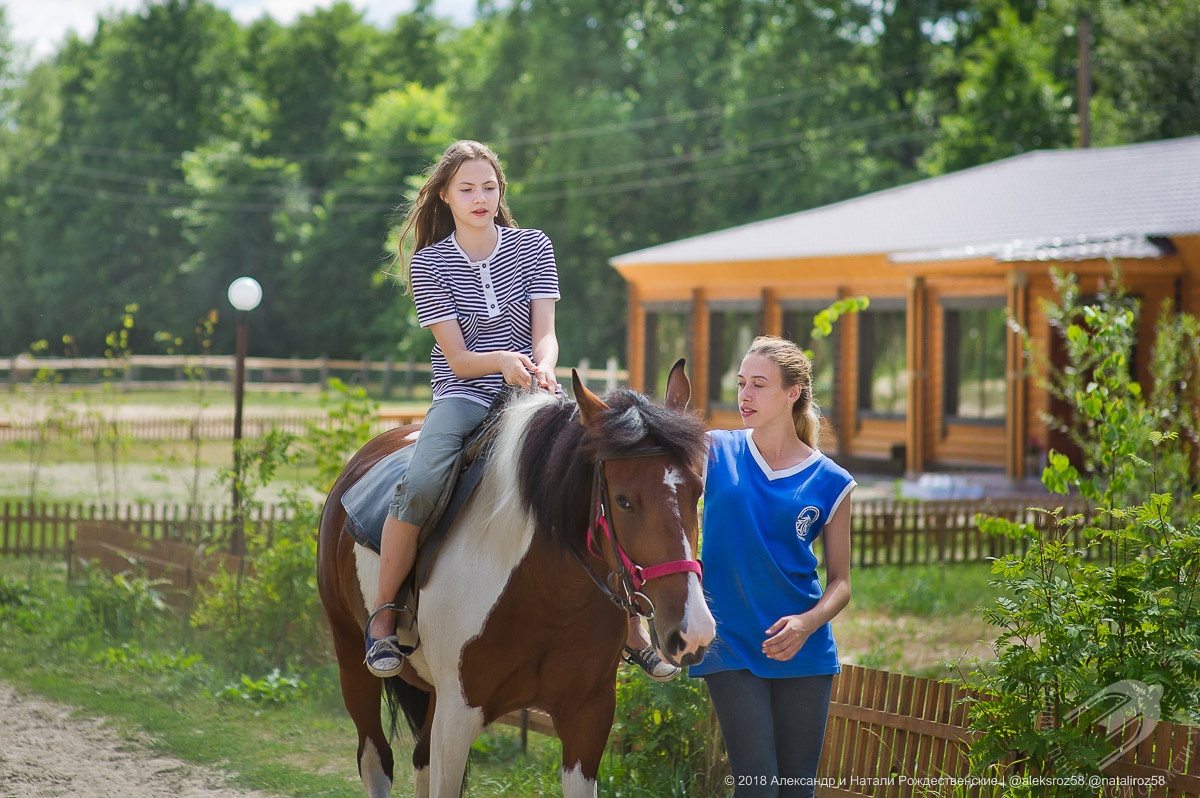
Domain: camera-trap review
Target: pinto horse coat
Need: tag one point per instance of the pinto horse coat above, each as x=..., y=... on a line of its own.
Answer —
x=585, y=513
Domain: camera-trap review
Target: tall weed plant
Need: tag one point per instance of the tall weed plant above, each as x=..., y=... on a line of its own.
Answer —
x=273, y=621
x=1102, y=601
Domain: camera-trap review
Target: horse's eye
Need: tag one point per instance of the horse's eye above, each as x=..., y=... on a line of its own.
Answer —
x=623, y=502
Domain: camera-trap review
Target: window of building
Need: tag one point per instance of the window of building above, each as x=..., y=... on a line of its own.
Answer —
x=730, y=333
x=668, y=338
x=882, y=362
x=974, y=388
x=798, y=327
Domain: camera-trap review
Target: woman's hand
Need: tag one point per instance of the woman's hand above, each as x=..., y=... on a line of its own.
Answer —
x=786, y=637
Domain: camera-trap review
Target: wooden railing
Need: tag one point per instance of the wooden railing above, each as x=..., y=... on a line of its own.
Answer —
x=208, y=428
x=883, y=532
x=166, y=371
x=46, y=529
x=895, y=736
x=894, y=532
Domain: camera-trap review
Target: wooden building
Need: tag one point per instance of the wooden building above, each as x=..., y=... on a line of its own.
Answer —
x=931, y=376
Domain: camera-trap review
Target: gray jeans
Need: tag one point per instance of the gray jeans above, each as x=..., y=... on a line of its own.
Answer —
x=774, y=730
x=447, y=424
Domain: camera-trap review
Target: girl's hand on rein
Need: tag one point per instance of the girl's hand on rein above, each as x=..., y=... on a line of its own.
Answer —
x=545, y=378
x=517, y=369
x=785, y=638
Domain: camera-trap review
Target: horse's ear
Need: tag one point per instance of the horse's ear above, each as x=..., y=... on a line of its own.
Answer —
x=679, y=387
x=589, y=404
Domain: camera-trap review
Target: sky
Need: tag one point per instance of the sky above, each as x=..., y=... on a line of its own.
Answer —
x=42, y=25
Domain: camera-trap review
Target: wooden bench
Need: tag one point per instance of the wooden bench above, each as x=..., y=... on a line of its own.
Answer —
x=117, y=549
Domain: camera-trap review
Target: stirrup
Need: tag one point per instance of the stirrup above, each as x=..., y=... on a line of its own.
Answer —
x=655, y=667
x=412, y=640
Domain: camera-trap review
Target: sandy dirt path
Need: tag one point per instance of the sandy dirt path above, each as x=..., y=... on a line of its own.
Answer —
x=45, y=750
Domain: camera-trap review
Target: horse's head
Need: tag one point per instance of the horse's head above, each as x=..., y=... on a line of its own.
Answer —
x=644, y=520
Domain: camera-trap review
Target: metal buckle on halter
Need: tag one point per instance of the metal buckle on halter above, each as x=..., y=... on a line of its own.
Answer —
x=638, y=599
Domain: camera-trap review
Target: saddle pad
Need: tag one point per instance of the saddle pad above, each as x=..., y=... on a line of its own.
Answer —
x=367, y=501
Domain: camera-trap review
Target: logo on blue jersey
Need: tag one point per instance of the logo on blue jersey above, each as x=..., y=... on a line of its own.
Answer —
x=805, y=521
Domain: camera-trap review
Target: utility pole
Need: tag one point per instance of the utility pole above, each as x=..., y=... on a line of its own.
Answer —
x=1084, y=79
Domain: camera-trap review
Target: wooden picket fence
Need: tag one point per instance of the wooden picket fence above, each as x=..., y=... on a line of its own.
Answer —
x=884, y=532
x=207, y=428
x=903, y=532
x=46, y=529
x=896, y=736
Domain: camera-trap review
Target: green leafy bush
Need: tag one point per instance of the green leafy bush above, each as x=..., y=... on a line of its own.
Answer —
x=1098, y=600
x=665, y=740
x=116, y=606
x=274, y=688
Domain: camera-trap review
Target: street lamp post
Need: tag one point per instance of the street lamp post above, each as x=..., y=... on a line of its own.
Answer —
x=244, y=294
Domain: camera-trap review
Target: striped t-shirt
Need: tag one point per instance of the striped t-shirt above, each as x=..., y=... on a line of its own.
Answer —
x=489, y=299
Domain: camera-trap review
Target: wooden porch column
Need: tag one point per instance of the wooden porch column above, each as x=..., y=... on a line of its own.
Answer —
x=636, y=339
x=1017, y=396
x=916, y=420
x=772, y=313
x=700, y=352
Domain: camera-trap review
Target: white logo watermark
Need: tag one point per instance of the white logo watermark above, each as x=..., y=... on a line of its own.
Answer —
x=1126, y=711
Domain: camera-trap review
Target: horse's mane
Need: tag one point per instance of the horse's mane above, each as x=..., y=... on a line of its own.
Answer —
x=556, y=481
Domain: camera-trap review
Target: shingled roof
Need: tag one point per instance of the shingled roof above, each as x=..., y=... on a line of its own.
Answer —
x=1043, y=205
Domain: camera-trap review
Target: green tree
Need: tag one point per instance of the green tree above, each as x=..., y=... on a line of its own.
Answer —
x=98, y=229
x=1147, y=71
x=1014, y=95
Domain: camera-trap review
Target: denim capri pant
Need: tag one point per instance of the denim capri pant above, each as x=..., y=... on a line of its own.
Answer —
x=446, y=426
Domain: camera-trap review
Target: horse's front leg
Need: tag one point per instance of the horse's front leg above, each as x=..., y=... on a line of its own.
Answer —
x=584, y=733
x=455, y=727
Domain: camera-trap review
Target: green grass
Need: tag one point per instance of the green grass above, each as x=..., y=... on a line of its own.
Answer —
x=923, y=590
x=303, y=748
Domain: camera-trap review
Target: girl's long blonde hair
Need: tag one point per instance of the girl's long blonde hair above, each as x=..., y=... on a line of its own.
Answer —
x=796, y=369
x=429, y=219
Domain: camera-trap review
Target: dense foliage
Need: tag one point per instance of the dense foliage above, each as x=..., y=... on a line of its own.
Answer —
x=1101, y=606
x=176, y=149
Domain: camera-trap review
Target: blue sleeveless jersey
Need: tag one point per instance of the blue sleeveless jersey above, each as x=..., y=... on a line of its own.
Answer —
x=758, y=532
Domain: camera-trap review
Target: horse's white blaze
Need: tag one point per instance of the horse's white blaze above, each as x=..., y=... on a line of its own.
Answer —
x=672, y=479
x=699, y=626
x=374, y=780
x=576, y=785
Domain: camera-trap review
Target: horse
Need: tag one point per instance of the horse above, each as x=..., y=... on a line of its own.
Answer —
x=585, y=515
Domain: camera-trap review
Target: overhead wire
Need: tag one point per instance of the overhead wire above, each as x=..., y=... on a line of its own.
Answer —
x=206, y=204
x=548, y=137
x=183, y=192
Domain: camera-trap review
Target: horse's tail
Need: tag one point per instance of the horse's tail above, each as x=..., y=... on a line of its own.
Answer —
x=400, y=696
